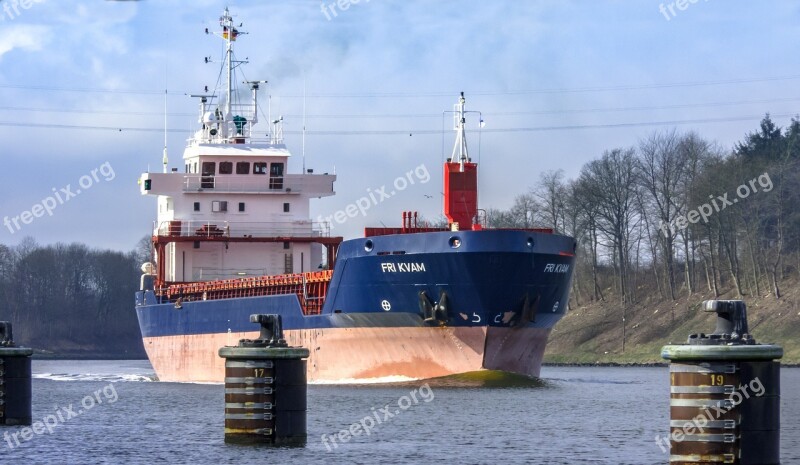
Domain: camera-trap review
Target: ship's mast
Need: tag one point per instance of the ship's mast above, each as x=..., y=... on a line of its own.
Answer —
x=229, y=34
x=164, y=159
x=222, y=126
x=460, y=152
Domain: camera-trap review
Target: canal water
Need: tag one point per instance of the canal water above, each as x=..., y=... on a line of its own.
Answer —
x=113, y=412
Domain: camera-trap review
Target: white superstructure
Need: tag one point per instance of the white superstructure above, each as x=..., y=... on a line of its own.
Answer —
x=233, y=210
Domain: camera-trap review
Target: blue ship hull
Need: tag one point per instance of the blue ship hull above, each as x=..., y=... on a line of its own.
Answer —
x=470, y=283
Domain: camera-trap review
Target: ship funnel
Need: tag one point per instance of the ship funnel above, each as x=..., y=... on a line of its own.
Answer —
x=460, y=177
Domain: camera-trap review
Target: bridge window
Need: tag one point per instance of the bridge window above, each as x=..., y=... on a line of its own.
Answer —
x=260, y=168
x=242, y=167
x=225, y=167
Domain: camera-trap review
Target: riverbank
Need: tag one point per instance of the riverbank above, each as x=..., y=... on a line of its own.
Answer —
x=592, y=334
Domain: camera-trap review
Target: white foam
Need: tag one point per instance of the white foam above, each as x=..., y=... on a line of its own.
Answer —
x=108, y=378
x=343, y=381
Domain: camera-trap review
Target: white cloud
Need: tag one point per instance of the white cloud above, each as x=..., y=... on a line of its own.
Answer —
x=24, y=37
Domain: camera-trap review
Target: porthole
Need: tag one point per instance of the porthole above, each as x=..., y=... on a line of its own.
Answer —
x=455, y=242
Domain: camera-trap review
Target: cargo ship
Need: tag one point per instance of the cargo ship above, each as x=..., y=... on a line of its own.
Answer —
x=233, y=237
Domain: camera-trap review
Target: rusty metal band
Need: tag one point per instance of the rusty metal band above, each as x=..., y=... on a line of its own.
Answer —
x=709, y=424
x=248, y=416
x=251, y=391
x=249, y=380
x=250, y=364
x=727, y=389
x=714, y=458
x=249, y=405
x=728, y=368
x=726, y=438
x=261, y=431
x=701, y=403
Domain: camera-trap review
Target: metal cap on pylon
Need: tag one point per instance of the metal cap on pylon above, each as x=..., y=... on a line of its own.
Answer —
x=731, y=339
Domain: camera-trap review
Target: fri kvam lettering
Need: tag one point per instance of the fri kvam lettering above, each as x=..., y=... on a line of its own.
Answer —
x=556, y=268
x=402, y=267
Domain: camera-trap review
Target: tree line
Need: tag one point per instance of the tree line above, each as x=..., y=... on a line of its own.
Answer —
x=72, y=300
x=676, y=215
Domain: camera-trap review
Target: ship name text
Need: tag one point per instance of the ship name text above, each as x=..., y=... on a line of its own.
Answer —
x=402, y=267
x=556, y=268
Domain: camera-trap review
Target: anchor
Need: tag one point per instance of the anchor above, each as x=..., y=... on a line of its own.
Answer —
x=434, y=313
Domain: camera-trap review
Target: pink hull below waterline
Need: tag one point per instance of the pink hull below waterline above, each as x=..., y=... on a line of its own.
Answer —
x=353, y=355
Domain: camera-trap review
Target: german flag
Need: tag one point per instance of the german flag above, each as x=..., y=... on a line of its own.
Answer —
x=233, y=33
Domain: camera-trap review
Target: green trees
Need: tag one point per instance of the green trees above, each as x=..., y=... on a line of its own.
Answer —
x=677, y=215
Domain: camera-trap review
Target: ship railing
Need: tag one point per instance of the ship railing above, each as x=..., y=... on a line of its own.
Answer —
x=217, y=274
x=205, y=137
x=240, y=183
x=222, y=229
x=245, y=110
x=310, y=287
x=205, y=274
x=238, y=131
x=224, y=132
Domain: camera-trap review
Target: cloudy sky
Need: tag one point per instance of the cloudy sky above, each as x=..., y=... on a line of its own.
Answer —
x=558, y=82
